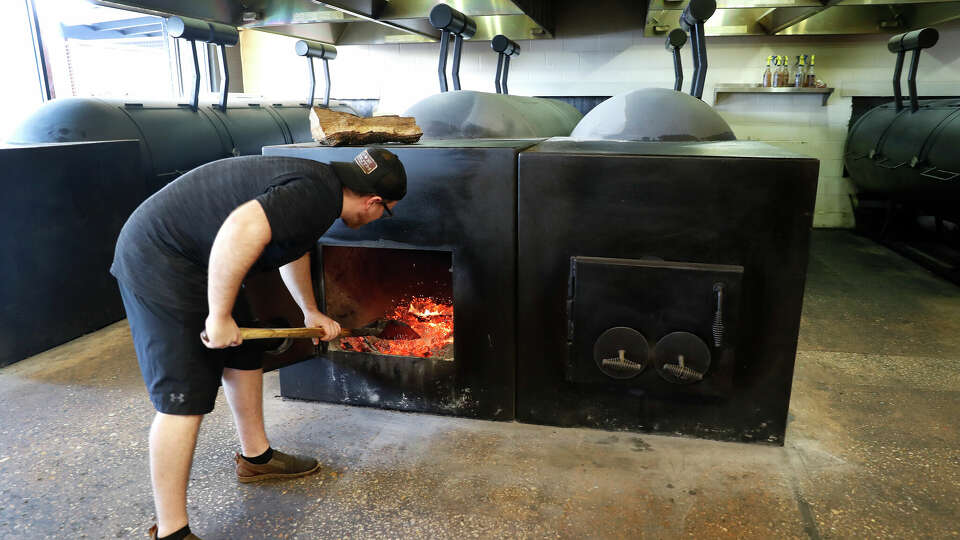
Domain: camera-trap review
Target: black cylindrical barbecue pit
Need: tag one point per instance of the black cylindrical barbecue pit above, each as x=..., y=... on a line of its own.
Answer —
x=908, y=153
x=173, y=139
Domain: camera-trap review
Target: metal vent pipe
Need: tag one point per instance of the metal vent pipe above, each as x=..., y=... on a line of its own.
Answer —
x=323, y=51
x=910, y=41
x=505, y=48
x=676, y=39
x=694, y=15
x=194, y=30
x=450, y=21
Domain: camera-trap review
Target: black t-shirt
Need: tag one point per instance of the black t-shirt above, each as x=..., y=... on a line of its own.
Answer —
x=164, y=248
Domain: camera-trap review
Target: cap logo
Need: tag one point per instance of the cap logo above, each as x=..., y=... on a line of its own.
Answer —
x=366, y=162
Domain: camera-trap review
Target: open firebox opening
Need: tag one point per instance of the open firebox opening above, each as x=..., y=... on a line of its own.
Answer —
x=414, y=287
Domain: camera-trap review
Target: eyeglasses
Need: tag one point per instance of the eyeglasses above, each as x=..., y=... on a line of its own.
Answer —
x=387, y=210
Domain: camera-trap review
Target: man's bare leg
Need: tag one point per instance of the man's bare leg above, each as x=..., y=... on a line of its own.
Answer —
x=172, y=441
x=244, y=391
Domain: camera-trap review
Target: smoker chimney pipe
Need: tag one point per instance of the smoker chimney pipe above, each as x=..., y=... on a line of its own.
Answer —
x=676, y=38
x=194, y=30
x=910, y=41
x=450, y=21
x=323, y=51
x=691, y=20
x=505, y=49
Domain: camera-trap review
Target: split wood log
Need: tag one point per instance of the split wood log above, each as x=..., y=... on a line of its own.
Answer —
x=333, y=128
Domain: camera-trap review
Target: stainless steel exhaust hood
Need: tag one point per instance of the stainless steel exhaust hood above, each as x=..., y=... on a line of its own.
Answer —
x=807, y=17
x=351, y=22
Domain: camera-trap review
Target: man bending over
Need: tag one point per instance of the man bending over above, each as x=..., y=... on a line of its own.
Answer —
x=180, y=261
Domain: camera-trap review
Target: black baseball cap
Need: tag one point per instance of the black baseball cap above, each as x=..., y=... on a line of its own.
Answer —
x=376, y=171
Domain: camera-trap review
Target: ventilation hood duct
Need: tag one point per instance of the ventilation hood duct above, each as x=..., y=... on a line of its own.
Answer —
x=354, y=22
x=806, y=17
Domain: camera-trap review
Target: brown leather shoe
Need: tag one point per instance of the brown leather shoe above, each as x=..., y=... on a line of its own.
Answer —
x=280, y=466
x=153, y=534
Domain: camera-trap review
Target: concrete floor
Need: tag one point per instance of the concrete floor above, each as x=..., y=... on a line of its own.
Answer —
x=871, y=451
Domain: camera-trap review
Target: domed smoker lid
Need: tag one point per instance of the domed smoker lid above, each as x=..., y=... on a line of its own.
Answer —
x=653, y=114
x=467, y=114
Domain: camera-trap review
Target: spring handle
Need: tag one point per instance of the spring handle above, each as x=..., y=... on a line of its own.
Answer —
x=681, y=371
x=622, y=362
x=718, y=317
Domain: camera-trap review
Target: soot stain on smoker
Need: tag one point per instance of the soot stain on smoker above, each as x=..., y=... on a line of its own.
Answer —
x=460, y=403
x=370, y=393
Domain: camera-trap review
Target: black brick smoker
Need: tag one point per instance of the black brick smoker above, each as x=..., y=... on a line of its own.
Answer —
x=688, y=257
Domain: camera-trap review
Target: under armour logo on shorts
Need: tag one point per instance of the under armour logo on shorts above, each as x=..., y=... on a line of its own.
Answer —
x=176, y=398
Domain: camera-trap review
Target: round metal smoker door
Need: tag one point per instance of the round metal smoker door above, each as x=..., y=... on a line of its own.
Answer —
x=682, y=358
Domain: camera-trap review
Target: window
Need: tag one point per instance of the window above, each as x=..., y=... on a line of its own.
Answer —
x=21, y=90
x=106, y=52
x=95, y=51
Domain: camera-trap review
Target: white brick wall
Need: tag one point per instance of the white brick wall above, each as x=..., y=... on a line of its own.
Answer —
x=610, y=63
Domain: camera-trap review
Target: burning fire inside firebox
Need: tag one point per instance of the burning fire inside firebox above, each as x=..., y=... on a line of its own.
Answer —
x=431, y=318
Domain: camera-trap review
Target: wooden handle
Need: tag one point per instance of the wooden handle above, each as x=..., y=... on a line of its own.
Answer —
x=267, y=333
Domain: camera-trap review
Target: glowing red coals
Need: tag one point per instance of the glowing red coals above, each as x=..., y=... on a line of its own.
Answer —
x=431, y=318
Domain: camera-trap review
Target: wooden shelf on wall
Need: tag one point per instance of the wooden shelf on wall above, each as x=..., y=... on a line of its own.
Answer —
x=746, y=88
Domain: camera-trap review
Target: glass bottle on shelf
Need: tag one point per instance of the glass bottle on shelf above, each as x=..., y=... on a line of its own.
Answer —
x=766, y=79
x=800, y=79
x=811, y=75
x=782, y=74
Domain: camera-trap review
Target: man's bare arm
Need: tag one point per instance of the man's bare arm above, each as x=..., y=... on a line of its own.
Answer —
x=296, y=276
x=238, y=244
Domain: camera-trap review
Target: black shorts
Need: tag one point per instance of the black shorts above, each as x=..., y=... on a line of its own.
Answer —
x=182, y=375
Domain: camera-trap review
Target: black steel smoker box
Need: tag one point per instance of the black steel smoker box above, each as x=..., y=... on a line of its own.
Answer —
x=453, y=235
x=660, y=285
